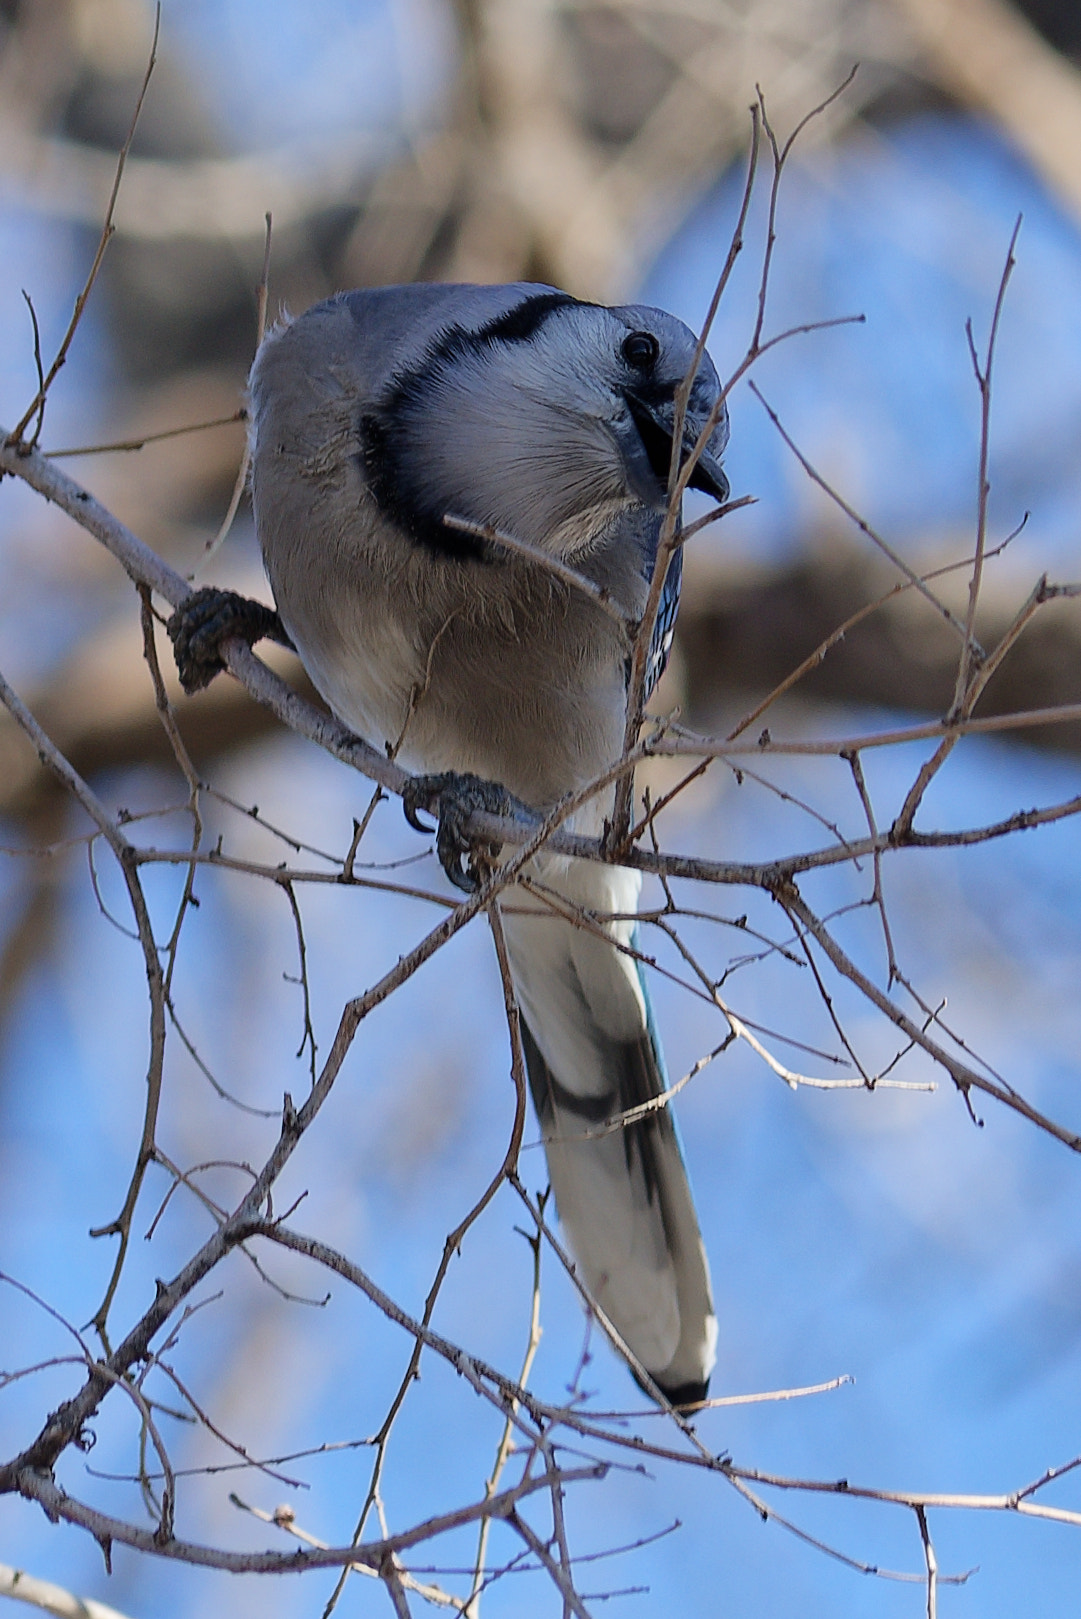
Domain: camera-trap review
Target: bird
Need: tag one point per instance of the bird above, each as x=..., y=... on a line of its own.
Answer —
x=520, y=410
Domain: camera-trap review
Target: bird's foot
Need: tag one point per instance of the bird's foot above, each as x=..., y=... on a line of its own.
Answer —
x=209, y=617
x=453, y=798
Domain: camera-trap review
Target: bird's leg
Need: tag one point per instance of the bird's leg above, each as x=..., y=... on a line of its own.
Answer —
x=453, y=798
x=209, y=617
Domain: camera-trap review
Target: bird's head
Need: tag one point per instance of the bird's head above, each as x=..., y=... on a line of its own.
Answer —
x=548, y=420
x=654, y=353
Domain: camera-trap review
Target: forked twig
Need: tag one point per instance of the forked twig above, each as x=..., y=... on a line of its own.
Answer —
x=36, y=406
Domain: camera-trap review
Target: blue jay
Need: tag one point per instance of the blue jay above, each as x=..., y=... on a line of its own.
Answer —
x=376, y=415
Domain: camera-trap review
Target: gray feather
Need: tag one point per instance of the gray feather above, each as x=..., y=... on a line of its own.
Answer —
x=375, y=415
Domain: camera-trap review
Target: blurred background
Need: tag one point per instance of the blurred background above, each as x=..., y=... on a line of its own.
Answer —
x=600, y=147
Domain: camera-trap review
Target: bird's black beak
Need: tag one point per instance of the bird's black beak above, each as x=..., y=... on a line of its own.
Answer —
x=653, y=420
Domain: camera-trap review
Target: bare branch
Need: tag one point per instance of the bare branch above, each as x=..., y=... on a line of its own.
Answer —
x=22, y=1587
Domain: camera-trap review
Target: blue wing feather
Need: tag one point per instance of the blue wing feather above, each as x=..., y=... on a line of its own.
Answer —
x=665, y=628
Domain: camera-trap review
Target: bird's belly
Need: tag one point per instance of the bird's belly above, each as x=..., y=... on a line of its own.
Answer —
x=540, y=739
x=529, y=692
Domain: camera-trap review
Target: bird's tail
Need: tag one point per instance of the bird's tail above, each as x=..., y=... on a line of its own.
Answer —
x=592, y=1055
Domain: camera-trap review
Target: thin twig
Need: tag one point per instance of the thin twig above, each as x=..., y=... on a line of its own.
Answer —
x=239, y=415
x=37, y=404
x=545, y=560
x=931, y=1561
x=213, y=545
x=454, y=1239
x=970, y=649
x=910, y=574
x=125, y=855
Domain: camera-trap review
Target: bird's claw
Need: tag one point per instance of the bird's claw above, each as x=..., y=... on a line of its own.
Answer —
x=452, y=798
x=209, y=617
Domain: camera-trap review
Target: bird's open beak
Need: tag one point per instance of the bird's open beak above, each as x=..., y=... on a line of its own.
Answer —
x=649, y=459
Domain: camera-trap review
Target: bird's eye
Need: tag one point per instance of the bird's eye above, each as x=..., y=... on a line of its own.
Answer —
x=641, y=349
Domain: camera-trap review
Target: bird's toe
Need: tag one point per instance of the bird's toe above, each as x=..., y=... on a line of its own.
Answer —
x=208, y=618
x=453, y=798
